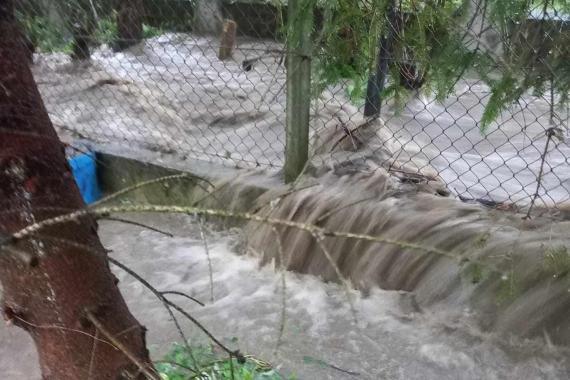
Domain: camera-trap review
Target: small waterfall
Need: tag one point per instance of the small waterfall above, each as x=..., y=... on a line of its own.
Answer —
x=511, y=275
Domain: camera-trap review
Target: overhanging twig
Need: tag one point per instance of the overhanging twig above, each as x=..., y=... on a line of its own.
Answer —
x=283, y=268
x=173, y=305
x=147, y=183
x=183, y=295
x=75, y=216
x=207, y=250
x=141, y=366
x=132, y=222
x=550, y=133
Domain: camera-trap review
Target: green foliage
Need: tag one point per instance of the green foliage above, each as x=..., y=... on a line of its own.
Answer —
x=475, y=273
x=106, y=31
x=46, y=36
x=509, y=288
x=482, y=240
x=49, y=37
x=432, y=36
x=177, y=365
x=346, y=45
x=346, y=48
x=503, y=92
x=537, y=53
x=151, y=31
x=557, y=261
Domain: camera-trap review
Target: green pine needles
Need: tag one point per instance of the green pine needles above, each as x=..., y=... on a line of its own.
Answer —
x=438, y=42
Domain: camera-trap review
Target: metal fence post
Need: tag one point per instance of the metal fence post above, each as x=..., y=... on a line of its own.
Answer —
x=300, y=25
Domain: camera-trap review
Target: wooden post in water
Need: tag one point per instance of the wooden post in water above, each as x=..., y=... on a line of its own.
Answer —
x=300, y=25
x=228, y=40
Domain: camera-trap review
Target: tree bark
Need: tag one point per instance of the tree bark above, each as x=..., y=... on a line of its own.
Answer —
x=81, y=39
x=50, y=287
x=208, y=17
x=129, y=24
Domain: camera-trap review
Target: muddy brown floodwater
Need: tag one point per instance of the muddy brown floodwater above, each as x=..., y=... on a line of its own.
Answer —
x=171, y=94
x=390, y=339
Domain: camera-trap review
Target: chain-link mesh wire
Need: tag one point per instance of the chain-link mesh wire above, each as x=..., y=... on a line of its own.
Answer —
x=171, y=93
x=519, y=159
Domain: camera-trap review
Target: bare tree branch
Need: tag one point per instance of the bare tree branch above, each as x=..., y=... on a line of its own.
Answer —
x=207, y=250
x=142, y=366
x=147, y=183
x=175, y=306
x=283, y=269
x=132, y=222
x=74, y=216
x=550, y=134
x=183, y=295
x=177, y=365
x=346, y=283
x=62, y=328
x=168, y=309
x=93, y=353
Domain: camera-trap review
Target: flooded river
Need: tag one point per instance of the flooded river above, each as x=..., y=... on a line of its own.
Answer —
x=387, y=336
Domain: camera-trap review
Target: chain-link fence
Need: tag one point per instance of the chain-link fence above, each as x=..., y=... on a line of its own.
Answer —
x=151, y=75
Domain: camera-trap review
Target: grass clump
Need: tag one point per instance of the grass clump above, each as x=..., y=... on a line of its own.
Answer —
x=557, y=261
x=150, y=31
x=45, y=35
x=201, y=362
x=106, y=31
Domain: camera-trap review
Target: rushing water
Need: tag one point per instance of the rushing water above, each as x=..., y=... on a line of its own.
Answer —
x=390, y=338
x=507, y=270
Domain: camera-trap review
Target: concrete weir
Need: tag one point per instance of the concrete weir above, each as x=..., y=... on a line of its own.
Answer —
x=505, y=274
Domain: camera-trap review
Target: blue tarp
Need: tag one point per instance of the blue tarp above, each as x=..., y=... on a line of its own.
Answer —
x=84, y=169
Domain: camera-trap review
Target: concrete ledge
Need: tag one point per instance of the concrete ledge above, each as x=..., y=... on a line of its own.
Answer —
x=226, y=188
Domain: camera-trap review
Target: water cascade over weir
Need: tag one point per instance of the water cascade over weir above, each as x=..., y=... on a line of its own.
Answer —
x=510, y=275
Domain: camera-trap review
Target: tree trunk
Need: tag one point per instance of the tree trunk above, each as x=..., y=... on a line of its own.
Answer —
x=208, y=17
x=129, y=24
x=82, y=24
x=80, y=46
x=50, y=287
